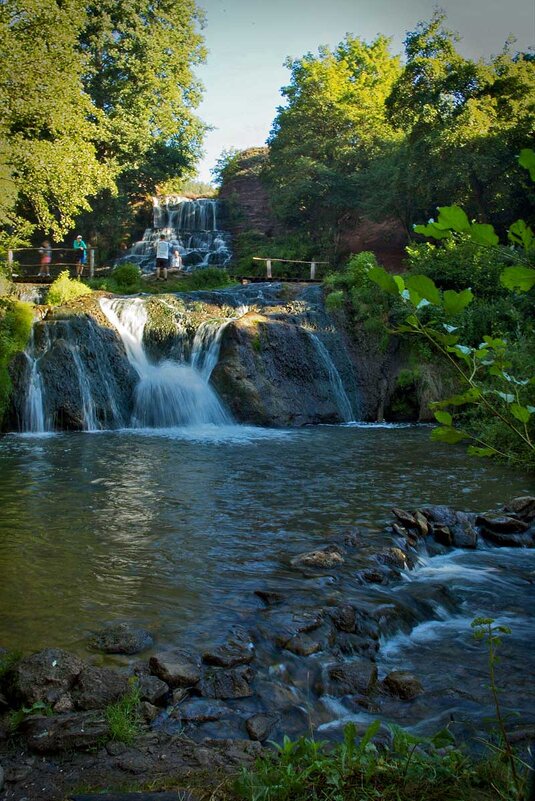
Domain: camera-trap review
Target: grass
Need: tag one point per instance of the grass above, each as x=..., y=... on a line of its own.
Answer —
x=64, y=289
x=124, y=716
x=126, y=280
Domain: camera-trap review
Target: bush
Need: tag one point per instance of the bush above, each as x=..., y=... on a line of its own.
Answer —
x=208, y=278
x=16, y=319
x=126, y=277
x=64, y=289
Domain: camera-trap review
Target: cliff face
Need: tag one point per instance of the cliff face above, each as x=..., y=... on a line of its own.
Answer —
x=246, y=199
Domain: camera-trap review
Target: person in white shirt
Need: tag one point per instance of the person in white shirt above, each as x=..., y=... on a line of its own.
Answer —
x=162, y=257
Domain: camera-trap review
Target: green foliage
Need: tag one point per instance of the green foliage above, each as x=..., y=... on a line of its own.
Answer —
x=64, y=289
x=16, y=319
x=8, y=661
x=126, y=277
x=124, y=716
x=411, y=769
x=17, y=716
x=49, y=163
x=285, y=246
x=207, y=278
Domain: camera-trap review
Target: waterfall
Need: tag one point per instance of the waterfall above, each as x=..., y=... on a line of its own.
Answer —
x=34, y=412
x=342, y=401
x=191, y=226
x=206, y=346
x=170, y=393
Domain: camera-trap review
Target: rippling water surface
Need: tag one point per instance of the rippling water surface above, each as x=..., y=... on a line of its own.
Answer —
x=175, y=529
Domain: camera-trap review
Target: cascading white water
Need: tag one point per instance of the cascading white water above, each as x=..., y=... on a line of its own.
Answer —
x=342, y=400
x=206, y=347
x=168, y=394
x=34, y=413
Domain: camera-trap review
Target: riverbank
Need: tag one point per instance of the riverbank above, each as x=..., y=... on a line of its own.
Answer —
x=291, y=669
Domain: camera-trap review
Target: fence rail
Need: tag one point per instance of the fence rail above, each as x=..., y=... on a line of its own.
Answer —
x=269, y=263
x=28, y=264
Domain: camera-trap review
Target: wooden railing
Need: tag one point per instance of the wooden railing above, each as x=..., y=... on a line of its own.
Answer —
x=269, y=262
x=60, y=260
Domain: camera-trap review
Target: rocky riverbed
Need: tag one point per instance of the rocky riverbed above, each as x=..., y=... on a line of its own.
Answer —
x=289, y=668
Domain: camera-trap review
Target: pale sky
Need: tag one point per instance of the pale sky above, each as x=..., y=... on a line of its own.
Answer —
x=248, y=41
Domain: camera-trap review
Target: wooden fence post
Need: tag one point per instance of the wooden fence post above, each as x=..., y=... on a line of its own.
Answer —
x=91, y=262
x=268, y=268
x=312, y=270
x=10, y=261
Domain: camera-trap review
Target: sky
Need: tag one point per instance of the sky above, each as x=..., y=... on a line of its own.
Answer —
x=249, y=40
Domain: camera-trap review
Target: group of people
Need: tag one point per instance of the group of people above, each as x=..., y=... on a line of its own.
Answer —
x=45, y=256
x=166, y=257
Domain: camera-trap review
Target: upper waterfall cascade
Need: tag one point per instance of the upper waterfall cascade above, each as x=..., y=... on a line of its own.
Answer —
x=191, y=226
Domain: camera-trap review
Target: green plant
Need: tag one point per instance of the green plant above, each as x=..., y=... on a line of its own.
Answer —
x=16, y=319
x=8, y=660
x=124, y=717
x=17, y=716
x=486, y=629
x=64, y=289
x=126, y=277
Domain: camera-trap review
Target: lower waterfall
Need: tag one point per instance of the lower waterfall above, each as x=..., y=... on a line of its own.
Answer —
x=169, y=393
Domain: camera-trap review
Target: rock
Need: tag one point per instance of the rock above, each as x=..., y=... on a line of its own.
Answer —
x=524, y=507
x=152, y=689
x=115, y=748
x=178, y=668
x=122, y=638
x=355, y=645
x=392, y=557
x=270, y=597
x=502, y=524
x=233, y=683
x=46, y=676
x=343, y=617
x=406, y=518
x=402, y=684
x=238, y=650
x=134, y=761
x=374, y=576
x=422, y=524
x=64, y=704
x=201, y=710
x=350, y=678
x=98, y=687
x=68, y=732
x=302, y=645
x=508, y=539
x=149, y=711
x=283, y=625
x=451, y=528
x=328, y=557
x=259, y=726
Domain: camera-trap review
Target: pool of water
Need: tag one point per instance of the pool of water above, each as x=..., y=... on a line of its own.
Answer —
x=175, y=529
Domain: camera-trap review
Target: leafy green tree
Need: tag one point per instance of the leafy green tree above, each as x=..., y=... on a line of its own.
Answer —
x=48, y=160
x=464, y=123
x=333, y=124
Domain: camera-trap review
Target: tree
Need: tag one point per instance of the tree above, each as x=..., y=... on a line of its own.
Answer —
x=333, y=124
x=48, y=162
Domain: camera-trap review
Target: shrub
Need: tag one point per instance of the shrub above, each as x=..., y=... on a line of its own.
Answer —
x=16, y=319
x=64, y=289
x=126, y=277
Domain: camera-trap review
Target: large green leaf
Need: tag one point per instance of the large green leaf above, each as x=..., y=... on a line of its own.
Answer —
x=455, y=302
x=448, y=434
x=433, y=230
x=444, y=418
x=527, y=159
x=470, y=396
x=472, y=450
x=521, y=234
x=384, y=280
x=519, y=277
x=484, y=234
x=425, y=287
x=453, y=217
x=521, y=413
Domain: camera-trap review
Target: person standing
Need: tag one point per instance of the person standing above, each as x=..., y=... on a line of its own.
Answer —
x=162, y=258
x=80, y=254
x=45, y=252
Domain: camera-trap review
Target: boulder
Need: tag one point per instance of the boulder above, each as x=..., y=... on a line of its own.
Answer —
x=238, y=650
x=201, y=710
x=97, y=687
x=152, y=689
x=402, y=684
x=68, y=732
x=509, y=539
x=523, y=506
x=177, y=668
x=344, y=617
x=350, y=678
x=259, y=726
x=122, y=638
x=328, y=557
x=392, y=557
x=233, y=683
x=46, y=676
x=270, y=597
x=303, y=645
x=451, y=528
